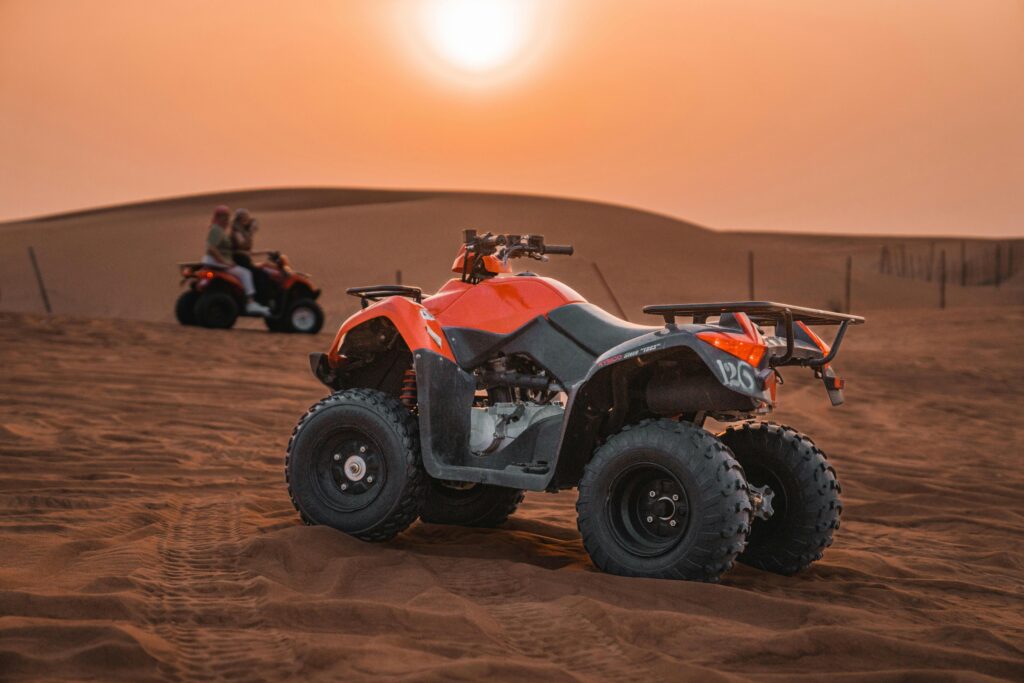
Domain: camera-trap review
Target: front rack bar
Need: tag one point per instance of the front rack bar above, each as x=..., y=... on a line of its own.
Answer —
x=375, y=292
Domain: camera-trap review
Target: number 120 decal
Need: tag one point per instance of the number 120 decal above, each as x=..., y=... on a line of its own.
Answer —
x=737, y=374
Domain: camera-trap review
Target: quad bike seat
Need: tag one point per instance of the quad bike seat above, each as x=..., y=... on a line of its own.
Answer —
x=197, y=265
x=595, y=329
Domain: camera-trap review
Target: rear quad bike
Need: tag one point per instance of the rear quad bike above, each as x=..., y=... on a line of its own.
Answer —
x=449, y=407
x=215, y=298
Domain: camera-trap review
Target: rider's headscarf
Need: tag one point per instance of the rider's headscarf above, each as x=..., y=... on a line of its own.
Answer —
x=220, y=215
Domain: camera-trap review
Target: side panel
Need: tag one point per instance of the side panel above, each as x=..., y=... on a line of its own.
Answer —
x=555, y=352
x=207, y=278
x=445, y=400
x=416, y=324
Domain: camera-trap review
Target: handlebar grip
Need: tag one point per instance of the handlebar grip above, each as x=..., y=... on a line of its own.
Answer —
x=565, y=249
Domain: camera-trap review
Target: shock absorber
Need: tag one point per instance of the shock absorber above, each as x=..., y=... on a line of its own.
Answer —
x=408, y=393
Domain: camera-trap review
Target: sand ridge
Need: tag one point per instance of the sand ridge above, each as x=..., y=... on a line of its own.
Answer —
x=120, y=261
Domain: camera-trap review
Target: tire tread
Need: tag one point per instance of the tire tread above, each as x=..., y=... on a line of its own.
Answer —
x=394, y=412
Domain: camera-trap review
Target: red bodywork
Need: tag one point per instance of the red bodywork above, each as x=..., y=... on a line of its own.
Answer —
x=284, y=277
x=498, y=305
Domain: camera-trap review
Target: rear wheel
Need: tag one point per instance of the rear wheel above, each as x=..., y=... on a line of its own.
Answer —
x=303, y=315
x=275, y=324
x=216, y=309
x=663, y=499
x=468, y=504
x=804, y=496
x=353, y=464
x=185, y=308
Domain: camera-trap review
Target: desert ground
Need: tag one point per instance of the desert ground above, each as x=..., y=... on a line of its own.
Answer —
x=147, y=534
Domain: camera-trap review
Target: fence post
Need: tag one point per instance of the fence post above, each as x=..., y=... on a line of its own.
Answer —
x=942, y=279
x=607, y=287
x=999, y=263
x=1009, y=261
x=849, y=282
x=963, y=263
x=750, y=275
x=398, y=277
x=39, y=279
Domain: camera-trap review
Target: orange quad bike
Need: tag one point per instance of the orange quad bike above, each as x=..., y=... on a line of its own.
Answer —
x=450, y=407
x=215, y=298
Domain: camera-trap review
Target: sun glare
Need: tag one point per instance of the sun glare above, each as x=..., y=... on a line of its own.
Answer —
x=477, y=36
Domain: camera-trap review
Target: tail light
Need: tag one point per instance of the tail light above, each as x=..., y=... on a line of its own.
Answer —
x=744, y=348
x=748, y=345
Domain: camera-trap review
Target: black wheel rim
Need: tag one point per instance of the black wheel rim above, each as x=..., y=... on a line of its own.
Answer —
x=648, y=509
x=348, y=470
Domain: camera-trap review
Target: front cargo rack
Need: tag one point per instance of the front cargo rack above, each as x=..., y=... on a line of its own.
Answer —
x=764, y=313
x=368, y=295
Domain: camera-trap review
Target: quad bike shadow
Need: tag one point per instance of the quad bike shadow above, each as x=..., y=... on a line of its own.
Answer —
x=449, y=407
x=215, y=298
x=531, y=542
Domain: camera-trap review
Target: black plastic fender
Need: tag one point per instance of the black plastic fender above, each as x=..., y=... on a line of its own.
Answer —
x=445, y=398
x=734, y=374
x=737, y=385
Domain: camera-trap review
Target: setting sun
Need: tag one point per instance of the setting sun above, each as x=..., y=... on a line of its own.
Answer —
x=477, y=36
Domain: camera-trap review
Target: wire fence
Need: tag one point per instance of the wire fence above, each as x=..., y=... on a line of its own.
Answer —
x=969, y=265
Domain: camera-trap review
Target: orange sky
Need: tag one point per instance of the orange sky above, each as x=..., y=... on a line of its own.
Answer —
x=812, y=115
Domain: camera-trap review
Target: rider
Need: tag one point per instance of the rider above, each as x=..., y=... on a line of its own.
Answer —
x=241, y=236
x=219, y=253
x=242, y=232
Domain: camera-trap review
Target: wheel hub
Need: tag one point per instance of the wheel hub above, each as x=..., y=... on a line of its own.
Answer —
x=358, y=473
x=660, y=510
x=355, y=468
x=303, y=319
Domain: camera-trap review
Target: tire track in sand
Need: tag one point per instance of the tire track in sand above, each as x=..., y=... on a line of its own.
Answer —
x=565, y=633
x=208, y=608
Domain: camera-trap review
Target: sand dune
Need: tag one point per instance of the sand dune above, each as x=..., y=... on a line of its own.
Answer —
x=147, y=535
x=120, y=261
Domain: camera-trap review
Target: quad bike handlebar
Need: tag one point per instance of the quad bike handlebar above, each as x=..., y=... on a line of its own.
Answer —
x=486, y=255
x=512, y=245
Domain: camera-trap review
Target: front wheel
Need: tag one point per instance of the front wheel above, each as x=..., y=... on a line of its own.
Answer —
x=353, y=463
x=804, y=496
x=663, y=499
x=304, y=316
x=468, y=504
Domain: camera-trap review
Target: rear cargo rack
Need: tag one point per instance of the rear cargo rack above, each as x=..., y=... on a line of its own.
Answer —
x=377, y=292
x=763, y=313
